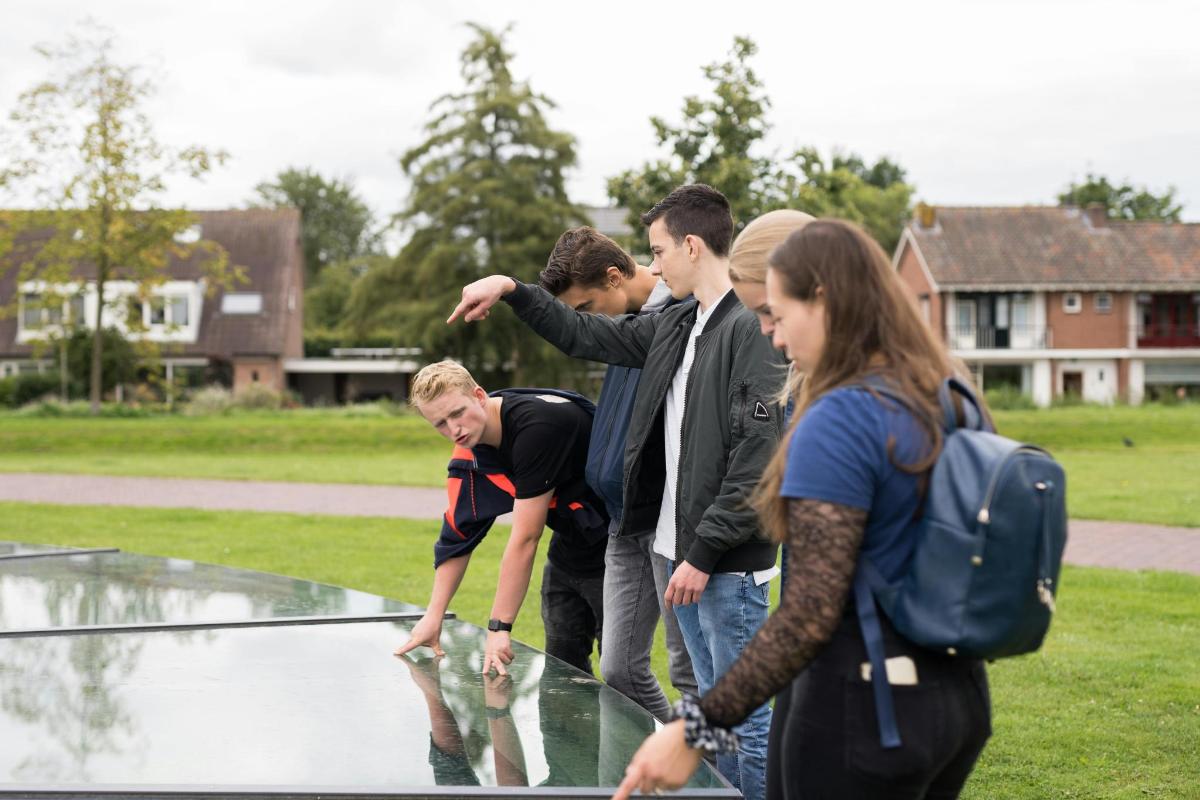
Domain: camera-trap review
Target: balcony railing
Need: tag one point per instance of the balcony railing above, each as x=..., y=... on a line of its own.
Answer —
x=1016, y=337
x=1168, y=335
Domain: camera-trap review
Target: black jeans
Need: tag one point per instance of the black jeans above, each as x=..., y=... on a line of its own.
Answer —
x=572, y=614
x=824, y=739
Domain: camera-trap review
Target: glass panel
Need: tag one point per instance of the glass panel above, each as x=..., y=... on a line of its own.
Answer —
x=966, y=314
x=158, y=311
x=54, y=313
x=134, y=314
x=179, y=311
x=323, y=705
x=21, y=548
x=1020, y=310
x=76, y=306
x=31, y=311
x=243, y=303
x=1002, y=311
x=123, y=588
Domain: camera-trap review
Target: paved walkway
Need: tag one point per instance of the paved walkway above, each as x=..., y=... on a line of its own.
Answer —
x=1124, y=545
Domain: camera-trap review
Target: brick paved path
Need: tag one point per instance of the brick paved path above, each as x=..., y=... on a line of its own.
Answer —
x=1125, y=545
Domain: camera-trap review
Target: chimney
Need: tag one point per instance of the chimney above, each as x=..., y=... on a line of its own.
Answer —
x=926, y=216
x=1097, y=215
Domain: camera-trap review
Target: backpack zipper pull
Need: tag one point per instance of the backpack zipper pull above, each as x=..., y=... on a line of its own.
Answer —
x=1045, y=595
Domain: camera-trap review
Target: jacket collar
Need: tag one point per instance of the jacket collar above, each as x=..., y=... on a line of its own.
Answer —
x=727, y=305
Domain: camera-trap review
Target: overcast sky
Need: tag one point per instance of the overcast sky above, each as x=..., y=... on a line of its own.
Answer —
x=983, y=102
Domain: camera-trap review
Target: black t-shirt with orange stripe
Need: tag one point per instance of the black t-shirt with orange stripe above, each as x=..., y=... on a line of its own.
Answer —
x=544, y=447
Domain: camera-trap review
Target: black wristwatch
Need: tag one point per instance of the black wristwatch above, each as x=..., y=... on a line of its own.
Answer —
x=497, y=625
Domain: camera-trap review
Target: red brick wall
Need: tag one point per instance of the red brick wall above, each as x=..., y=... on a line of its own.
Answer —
x=917, y=284
x=1088, y=329
x=269, y=371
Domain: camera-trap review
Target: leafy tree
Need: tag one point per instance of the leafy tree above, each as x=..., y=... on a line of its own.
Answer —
x=875, y=197
x=326, y=300
x=712, y=145
x=1123, y=201
x=487, y=196
x=86, y=151
x=336, y=223
x=120, y=357
x=719, y=143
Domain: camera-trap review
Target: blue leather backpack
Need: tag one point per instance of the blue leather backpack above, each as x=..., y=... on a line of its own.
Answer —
x=989, y=547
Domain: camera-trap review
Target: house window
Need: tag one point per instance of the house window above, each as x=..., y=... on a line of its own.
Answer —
x=242, y=303
x=37, y=312
x=75, y=308
x=1072, y=303
x=178, y=309
x=189, y=235
x=31, y=311
x=925, y=310
x=1103, y=302
x=158, y=311
x=135, y=313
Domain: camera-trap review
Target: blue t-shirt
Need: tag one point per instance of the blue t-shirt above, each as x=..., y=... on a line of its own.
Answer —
x=839, y=454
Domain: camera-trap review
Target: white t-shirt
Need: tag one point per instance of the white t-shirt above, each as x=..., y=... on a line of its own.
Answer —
x=665, y=532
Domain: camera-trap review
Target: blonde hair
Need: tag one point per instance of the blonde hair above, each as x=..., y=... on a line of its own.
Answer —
x=872, y=329
x=748, y=256
x=434, y=380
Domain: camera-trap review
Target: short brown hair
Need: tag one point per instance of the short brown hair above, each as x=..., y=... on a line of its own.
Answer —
x=436, y=379
x=696, y=210
x=581, y=257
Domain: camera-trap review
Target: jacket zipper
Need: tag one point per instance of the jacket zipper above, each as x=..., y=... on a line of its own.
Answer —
x=687, y=390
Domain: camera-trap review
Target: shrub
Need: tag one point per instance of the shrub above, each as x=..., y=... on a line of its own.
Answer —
x=257, y=397
x=1008, y=398
x=213, y=399
x=21, y=390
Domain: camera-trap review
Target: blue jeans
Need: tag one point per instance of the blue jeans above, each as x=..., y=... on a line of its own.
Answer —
x=715, y=630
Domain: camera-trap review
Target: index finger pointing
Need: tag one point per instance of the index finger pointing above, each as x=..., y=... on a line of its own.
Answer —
x=458, y=310
x=627, y=786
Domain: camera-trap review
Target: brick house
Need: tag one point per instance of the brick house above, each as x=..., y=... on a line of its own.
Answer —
x=1060, y=301
x=239, y=337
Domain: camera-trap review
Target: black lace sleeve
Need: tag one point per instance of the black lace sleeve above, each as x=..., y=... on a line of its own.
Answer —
x=824, y=539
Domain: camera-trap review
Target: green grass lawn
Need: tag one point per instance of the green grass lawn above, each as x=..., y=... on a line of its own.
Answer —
x=323, y=446
x=1156, y=480
x=1109, y=708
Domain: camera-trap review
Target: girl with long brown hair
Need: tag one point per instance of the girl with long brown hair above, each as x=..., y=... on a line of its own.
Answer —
x=846, y=482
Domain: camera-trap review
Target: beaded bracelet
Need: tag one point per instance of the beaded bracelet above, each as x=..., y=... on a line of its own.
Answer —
x=698, y=733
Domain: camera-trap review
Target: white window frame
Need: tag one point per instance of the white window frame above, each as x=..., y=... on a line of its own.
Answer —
x=1103, y=308
x=67, y=291
x=119, y=294
x=1072, y=302
x=169, y=330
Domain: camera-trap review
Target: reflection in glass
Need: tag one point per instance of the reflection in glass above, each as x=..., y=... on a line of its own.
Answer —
x=123, y=588
x=21, y=548
x=313, y=705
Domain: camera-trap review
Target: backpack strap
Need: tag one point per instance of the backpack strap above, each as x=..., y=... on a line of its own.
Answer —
x=973, y=416
x=866, y=579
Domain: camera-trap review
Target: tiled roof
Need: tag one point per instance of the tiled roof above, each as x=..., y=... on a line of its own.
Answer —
x=1055, y=247
x=265, y=243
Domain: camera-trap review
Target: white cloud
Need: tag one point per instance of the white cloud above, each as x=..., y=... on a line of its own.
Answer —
x=983, y=102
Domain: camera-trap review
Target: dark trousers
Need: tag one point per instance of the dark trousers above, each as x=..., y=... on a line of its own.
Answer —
x=572, y=614
x=824, y=740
